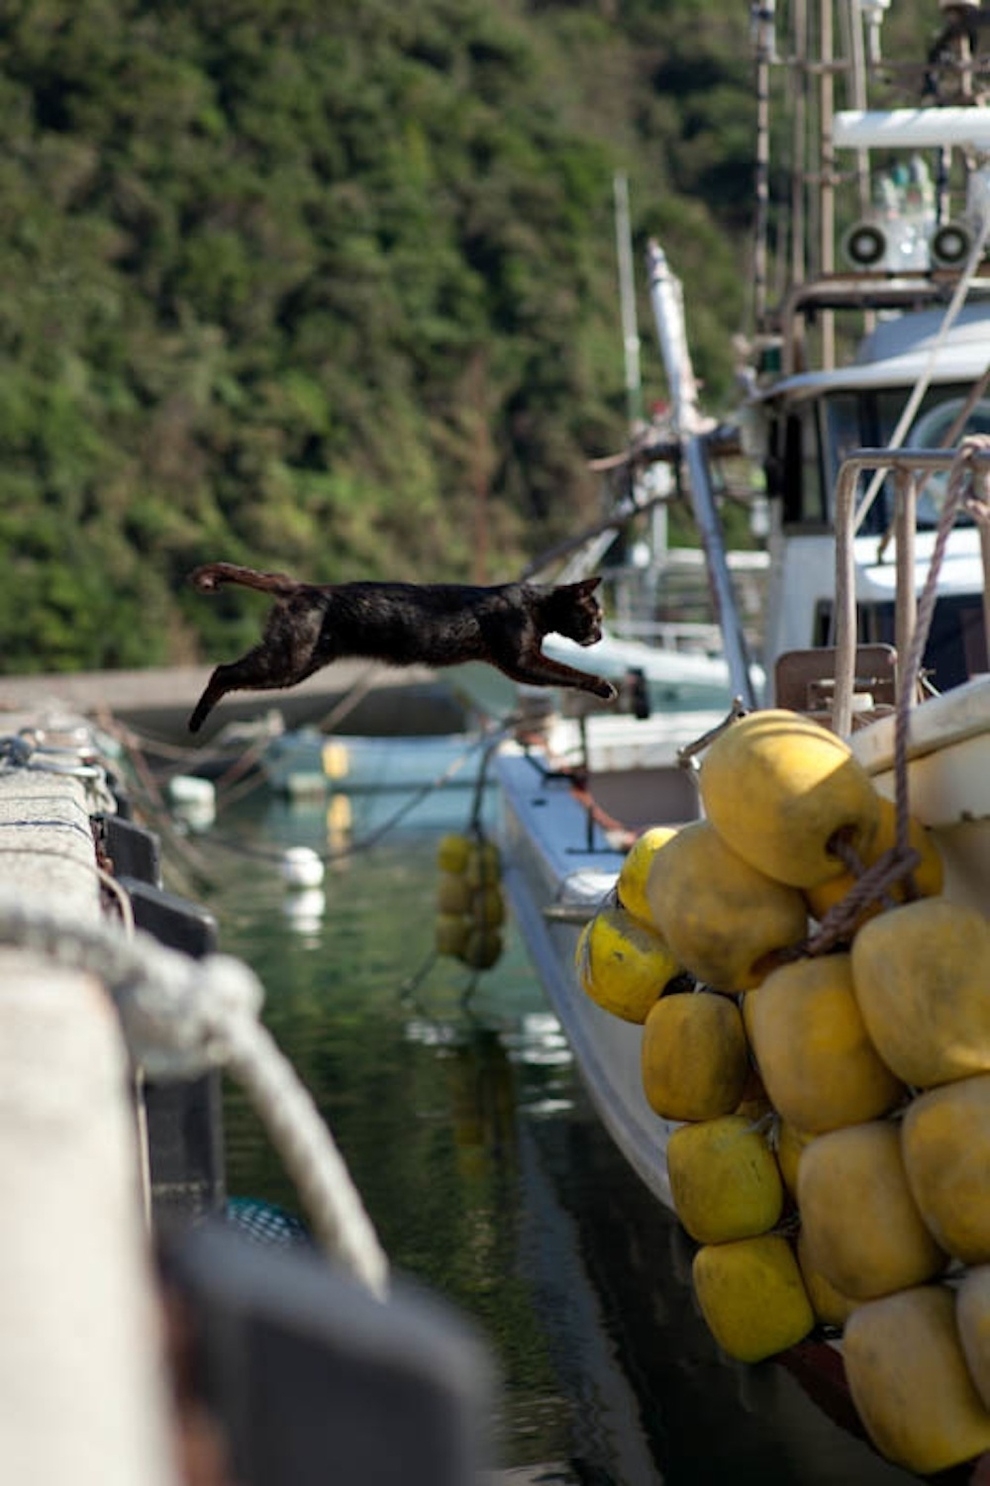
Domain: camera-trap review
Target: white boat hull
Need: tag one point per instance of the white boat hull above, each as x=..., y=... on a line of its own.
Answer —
x=559, y=866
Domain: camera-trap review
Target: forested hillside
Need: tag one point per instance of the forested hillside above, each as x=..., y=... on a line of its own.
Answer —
x=330, y=285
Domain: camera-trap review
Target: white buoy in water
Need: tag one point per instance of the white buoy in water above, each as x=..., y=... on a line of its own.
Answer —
x=301, y=867
x=304, y=910
x=193, y=800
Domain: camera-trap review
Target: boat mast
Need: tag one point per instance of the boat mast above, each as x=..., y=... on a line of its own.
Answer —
x=691, y=432
x=627, y=302
x=826, y=198
x=763, y=19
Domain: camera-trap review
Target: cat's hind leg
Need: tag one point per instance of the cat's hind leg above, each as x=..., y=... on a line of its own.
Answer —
x=255, y=671
x=216, y=688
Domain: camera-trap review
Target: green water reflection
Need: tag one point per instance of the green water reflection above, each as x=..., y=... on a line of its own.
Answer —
x=421, y=1083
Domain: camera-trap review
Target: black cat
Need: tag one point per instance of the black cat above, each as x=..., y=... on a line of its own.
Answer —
x=437, y=624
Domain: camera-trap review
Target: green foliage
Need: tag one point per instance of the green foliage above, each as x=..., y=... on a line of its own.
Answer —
x=330, y=287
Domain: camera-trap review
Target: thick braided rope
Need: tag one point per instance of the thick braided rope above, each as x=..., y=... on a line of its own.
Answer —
x=181, y=1017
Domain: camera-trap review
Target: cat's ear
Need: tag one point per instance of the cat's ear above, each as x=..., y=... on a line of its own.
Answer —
x=587, y=585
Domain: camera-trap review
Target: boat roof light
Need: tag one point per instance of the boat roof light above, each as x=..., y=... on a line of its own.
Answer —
x=912, y=128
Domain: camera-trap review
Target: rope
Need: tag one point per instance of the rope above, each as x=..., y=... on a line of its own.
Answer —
x=27, y=750
x=181, y=1017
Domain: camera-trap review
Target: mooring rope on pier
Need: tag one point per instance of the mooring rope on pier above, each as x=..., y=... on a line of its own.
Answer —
x=181, y=1017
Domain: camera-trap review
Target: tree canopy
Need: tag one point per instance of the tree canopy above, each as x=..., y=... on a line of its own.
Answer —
x=330, y=287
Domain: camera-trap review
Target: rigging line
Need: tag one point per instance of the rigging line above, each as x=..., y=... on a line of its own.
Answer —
x=949, y=441
x=240, y=787
x=365, y=843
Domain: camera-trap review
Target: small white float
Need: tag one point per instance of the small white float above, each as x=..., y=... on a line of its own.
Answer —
x=301, y=867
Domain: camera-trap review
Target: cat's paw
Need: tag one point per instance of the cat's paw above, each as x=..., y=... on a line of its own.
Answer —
x=604, y=689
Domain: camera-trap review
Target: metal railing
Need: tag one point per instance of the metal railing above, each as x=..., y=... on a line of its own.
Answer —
x=910, y=469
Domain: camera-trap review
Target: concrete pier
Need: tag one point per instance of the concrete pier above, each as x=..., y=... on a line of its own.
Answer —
x=275, y=1364
x=83, y=1392
x=379, y=699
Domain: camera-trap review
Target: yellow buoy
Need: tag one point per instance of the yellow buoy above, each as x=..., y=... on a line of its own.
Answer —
x=752, y=1296
x=928, y=876
x=487, y=907
x=909, y=1381
x=790, y=1143
x=755, y=1102
x=482, y=948
x=483, y=867
x=920, y=974
x=780, y=788
x=451, y=934
x=945, y=1138
x=724, y=1179
x=453, y=851
x=336, y=760
x=695, y=1058
x=820, y=1068
x=453, y=893
x=973, y=1321
x=863, y=1229
x=630, y=886
x=723, y=919
x=622, y=964
x=830, y=1306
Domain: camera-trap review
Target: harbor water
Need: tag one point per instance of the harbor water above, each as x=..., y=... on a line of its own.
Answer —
x=457, y=1108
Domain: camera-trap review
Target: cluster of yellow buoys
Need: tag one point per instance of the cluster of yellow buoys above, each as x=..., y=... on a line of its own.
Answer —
x=833, y=1160
x=470, y=905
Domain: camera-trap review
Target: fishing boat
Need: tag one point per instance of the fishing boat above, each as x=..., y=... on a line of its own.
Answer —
x=306, y=760
x=866, y=406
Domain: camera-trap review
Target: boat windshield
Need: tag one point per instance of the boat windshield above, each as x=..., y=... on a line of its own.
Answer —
x=868, y=419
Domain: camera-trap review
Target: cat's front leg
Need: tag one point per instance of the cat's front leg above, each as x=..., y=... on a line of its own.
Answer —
x=544, y=671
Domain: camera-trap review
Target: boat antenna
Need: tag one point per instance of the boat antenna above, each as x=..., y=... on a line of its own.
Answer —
x=762, y=21
x=627, y=301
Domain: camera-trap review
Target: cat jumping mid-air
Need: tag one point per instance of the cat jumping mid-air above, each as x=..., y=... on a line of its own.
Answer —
x=435, y=624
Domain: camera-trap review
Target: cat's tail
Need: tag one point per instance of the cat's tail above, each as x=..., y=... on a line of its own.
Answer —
x=214, y=575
